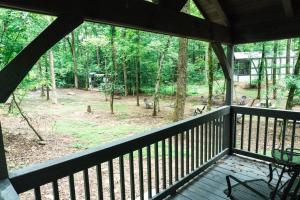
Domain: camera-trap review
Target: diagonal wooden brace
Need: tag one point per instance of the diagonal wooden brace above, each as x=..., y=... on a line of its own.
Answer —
x=15, y=71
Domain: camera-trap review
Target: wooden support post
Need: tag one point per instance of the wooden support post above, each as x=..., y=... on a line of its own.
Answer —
x=15, y=71
x=3, y=165
x=230, y=82
x=229, y=119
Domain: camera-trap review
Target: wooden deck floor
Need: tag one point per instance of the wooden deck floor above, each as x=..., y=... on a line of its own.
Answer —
x=212, y=183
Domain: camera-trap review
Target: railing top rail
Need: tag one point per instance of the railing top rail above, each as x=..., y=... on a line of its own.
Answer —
x=42, y=173
x=275, y=113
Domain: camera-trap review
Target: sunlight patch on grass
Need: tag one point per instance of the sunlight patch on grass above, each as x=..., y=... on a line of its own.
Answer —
x=91, y=134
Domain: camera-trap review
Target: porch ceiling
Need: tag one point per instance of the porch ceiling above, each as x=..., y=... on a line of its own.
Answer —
x=228, y=21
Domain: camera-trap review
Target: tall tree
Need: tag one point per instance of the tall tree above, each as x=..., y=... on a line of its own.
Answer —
x=124, y=63
x=293, y=84
x=260, y=71
x=138, y=69
x=75, y=66
x=52, y=74
x=181, y=74
x=161, y=58
x=114, y=68
x=288, y=56
x=210, y=76
x=274, y=69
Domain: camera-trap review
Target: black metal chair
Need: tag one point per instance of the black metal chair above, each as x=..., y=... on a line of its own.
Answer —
x=289, y=160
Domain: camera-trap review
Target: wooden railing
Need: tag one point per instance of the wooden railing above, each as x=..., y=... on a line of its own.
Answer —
x=150, y=165
x=257, y=131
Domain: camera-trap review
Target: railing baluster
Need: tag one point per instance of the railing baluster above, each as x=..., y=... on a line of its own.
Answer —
x=242, y=132
x=220, y=135
x=37, y=193
x=111, y=179
x=182, y=154
x=72, y=187
x=99, y=181
x=122, y=177
x=250, y=131
x=55, y=190
x=266, y=135
x=176, y=157
x=293, y=135
x=170, y=161
x=201, y=144
x=209, y=141
x=86, y=184
x=274, y=133
x=164, y=175
x=213, y=138
x=132, y=184
x=187, y=159
x=283, y=137
x=217, y=136
x=156, y=167
x=141, y=174
x=257, y=134
x=205, y=142
x=197, y=146
x=192, y=148
x=149, y=171
x=234, y=130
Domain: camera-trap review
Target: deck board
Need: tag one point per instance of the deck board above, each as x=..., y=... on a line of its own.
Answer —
x=210, y=185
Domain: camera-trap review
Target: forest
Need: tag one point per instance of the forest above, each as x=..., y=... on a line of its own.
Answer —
x=129, y=67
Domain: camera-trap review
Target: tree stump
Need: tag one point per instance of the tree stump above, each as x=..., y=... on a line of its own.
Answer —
x=89, y=109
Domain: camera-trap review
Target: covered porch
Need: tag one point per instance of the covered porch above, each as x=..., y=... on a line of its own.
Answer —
x=185, y=160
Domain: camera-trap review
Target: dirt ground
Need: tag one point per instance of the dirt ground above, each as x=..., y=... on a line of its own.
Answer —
x=67, y=127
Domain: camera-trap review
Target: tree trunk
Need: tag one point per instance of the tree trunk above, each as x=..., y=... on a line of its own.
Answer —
x=138, y=71
x=274, y=67
x=181, y=75
x=98, y=56
x=290, y=99
x=41, y=78
x=124, y=65
x=288, y=56
x=75, y=67
x=210, y=76
x=260, y=72
x=158, y=77
x=114, y=69
x=267, y=84
x=52, y=74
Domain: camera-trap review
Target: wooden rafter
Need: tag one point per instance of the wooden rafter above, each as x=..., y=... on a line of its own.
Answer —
x=15, y=71
x=141, y=15
x=175, y=5
x=288, y=8
x=226, y=67
x=217, y=7
x=281, y=29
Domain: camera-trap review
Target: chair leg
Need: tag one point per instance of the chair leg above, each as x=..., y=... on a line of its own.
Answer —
x=277, y=185
x=229, y=186
x=271, y=173
x=289, y=186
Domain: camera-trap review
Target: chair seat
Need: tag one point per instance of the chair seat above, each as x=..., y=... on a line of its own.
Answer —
x=240, y=192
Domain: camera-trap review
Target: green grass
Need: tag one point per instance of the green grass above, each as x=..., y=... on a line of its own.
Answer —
x=90, y=134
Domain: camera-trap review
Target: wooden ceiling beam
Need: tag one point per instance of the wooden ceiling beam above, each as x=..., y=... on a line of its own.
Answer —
x=15, y=71
x=288, y=8
x=136, y=14
x=201, y=5
x=280, y=29
x=175, y=5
